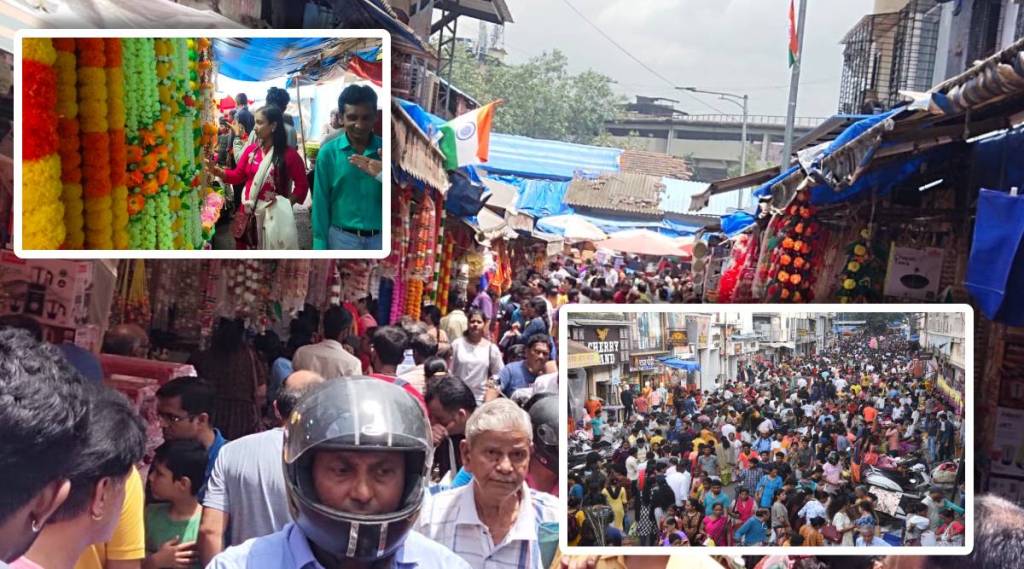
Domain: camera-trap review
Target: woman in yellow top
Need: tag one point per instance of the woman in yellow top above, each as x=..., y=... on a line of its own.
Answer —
x=616, y=495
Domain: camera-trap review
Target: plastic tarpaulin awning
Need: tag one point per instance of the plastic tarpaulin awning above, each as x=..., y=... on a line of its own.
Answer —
x=679, y=363
x=107, y=14
x=663, y=227
x=539, y=198
x=259, y=59
x=995, y=268
x=535, y=158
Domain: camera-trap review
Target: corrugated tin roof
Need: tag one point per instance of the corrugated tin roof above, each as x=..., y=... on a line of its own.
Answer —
x=654, y=164
x=677, y=194
x=534, y=158
x=623, y=192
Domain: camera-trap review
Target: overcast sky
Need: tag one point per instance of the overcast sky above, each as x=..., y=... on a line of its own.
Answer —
x=725, y=45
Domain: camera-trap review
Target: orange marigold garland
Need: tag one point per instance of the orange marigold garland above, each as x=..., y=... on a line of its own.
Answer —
x=118, y=147
x=42, y=209
x=93, y=116
x=70, y=144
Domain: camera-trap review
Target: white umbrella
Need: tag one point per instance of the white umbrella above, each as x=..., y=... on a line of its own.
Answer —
x=574, y=227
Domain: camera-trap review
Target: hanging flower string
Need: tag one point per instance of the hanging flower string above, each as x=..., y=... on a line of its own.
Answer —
x=41, y=170
x=70, y=144
x=795, y=254
x=118, y=148
x=93, y=113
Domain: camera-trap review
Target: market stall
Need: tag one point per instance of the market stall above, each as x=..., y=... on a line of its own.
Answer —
x=116, y=132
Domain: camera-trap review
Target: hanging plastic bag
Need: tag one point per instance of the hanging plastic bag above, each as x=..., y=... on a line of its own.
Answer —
x=995, y=269
x=276, y=224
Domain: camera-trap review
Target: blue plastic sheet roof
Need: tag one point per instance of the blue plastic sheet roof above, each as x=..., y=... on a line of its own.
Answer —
x=679, y=363
x=612, y=225
x=534, y=158
x=260, y=59
x=539, y=198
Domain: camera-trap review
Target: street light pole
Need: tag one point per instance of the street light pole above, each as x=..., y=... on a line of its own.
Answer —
x=794, y=87
x=743, y=152
x=740, y=101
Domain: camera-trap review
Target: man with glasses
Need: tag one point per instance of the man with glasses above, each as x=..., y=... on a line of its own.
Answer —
x=518, y=375
x=184, y=406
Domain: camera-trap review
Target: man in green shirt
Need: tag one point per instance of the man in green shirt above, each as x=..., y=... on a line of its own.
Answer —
x=347, y=192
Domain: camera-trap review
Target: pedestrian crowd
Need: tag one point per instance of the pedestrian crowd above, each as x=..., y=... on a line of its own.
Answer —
x=845, y=447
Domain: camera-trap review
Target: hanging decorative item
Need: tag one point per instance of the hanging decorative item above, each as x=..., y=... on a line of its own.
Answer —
x=864, y=271
x=118, y=149
x=41, y=170
x=95, y=126
x=70, y=149
x=796, y=237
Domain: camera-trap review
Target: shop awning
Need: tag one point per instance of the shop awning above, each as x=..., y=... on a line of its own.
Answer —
x=787, y=345
x=679, y=363
x=580, y=356
x=262, y=59
x=645, y=242
x=572, y=227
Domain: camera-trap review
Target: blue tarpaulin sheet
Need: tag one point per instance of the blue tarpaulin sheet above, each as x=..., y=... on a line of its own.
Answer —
x=534, y=158
x=679, y=363
x=995, y=268
x=995, y=161
x=427, y=122
x=612, y=225
x=734, y=223
x=539, y=198
x=260, y=59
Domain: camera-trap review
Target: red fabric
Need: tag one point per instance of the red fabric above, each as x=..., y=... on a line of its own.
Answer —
x=249, y=164
x=407, y=387
x=372, y=71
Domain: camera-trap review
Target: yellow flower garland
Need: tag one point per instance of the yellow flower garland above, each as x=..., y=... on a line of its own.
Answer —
x=41, y=184
x=118, y=148
x=93, y=117
x=71, y=158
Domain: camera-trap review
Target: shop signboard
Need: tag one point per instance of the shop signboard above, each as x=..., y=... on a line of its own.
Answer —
x=702, y=332
x=645, y=362
x=55, y=293
x=605, y=341
x=585, y=359
x=738, y=348
x=913, y=274
x=677, y=338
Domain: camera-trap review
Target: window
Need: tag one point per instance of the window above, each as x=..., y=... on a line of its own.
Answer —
x=984, y=30
x=577, y=334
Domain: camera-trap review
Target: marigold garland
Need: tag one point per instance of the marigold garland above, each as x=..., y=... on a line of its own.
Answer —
x=41, y=170
x=93, y=119
x=70, y=151
x=118, y=148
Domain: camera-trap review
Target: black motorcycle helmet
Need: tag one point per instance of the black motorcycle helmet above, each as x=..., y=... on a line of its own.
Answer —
x=356, y=414
x=543, y=410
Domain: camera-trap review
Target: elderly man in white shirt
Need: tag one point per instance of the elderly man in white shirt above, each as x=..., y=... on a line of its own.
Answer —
x=329, y=358
x=496, y=521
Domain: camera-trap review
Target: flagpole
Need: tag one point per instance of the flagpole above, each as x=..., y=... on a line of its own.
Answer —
x=794, y=87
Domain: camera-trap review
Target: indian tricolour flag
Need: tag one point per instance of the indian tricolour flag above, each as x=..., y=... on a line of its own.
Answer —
x=465, y=139
x=794, y=42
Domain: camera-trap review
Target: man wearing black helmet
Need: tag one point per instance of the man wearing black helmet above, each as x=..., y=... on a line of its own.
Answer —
x=543, y=475
x=356, y=454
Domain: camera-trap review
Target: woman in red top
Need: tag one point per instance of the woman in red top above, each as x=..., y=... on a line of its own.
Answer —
x=285, y=175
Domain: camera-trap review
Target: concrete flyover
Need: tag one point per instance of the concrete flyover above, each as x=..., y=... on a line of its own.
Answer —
x=711, y=143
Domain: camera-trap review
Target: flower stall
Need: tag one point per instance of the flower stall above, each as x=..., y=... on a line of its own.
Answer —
x=115, y=129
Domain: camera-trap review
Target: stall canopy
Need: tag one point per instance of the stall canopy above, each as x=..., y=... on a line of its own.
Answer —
x=679, y=363
x=645, y=242
x=18, y=14
x=572, y=227
x=535, y=158
x=260, y=59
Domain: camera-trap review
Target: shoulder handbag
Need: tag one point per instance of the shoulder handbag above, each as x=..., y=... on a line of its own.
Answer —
x=831, y=533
